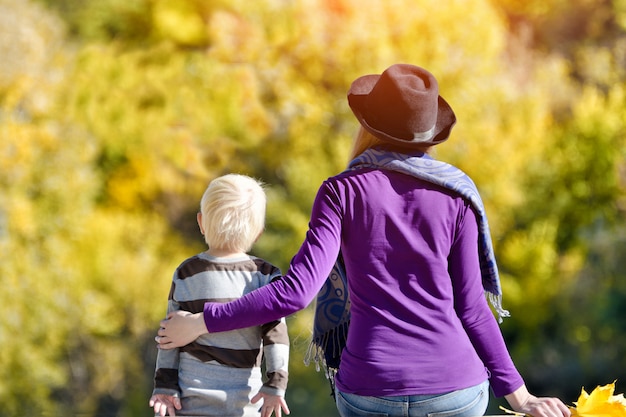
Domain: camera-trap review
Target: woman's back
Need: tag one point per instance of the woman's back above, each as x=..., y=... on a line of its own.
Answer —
x=398, y=234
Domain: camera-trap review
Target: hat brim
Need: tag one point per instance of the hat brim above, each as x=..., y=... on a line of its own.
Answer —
x=357, y=95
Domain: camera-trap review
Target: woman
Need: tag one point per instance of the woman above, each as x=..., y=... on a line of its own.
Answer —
x=411, y=235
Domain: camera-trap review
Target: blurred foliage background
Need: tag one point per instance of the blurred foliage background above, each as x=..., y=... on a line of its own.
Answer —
x=115, y=114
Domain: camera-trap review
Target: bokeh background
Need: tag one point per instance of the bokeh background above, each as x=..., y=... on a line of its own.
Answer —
x=115, y=114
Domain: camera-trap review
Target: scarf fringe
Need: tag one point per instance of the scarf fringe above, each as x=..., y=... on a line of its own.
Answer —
x=330, y=343
x=496, y=302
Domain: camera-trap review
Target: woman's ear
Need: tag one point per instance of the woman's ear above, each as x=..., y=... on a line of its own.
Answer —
x=199, y=219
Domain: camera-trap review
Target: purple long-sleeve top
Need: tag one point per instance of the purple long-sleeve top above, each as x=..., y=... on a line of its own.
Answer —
x=420, y=322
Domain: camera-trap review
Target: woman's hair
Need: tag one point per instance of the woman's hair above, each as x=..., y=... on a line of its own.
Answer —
x=365, y=140
x=233, y=212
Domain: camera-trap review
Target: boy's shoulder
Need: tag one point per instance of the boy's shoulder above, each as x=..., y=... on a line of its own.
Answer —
x=201, y=263
x=192, y=265
x=265, y=267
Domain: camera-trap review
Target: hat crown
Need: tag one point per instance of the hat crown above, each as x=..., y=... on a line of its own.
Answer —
x=402, y=105
x=403, y=102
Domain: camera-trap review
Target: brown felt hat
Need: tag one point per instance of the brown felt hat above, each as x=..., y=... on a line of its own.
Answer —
x=402, y=106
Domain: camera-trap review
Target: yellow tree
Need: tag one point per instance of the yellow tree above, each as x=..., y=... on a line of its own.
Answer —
x=162, y=96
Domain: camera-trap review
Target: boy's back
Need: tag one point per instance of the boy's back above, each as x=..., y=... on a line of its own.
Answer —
x=220, y=372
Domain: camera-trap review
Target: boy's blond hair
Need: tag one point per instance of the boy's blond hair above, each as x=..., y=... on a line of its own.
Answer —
x=233, y=212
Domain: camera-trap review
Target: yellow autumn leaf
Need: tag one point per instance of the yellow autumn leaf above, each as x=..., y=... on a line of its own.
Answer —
x=600, y=403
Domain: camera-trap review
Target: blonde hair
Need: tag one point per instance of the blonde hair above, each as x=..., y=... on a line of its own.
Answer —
x=233, y=212
x=364, y=140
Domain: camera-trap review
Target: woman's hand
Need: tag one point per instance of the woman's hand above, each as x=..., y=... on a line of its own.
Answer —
x=179, y=329
x=523, y=402
x=544, y=407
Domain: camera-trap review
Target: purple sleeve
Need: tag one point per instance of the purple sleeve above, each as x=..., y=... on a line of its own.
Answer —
x=473, y=310
x=297, y=288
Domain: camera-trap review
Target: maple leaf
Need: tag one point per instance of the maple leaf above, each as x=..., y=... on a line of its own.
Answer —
x=600, y=403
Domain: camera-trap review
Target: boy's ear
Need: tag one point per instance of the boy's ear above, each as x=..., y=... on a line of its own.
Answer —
x=199, y=219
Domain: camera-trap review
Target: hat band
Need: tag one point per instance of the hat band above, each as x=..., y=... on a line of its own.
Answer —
x=424, y=136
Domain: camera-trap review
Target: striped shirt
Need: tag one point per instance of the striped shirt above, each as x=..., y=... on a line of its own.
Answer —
x=203, y=278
